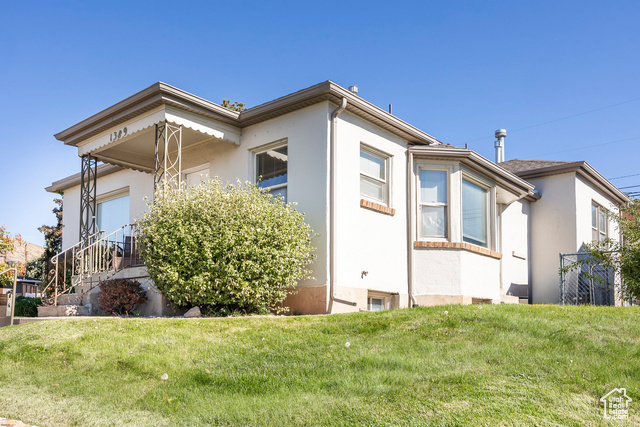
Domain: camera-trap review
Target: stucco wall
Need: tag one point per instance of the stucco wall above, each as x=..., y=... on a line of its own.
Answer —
x=561, y=223
x=139, y=185
x=515, y=245
x=437, y=272
x=480, y=276
x=553, y=231
x=456, y=272
x=369, y=240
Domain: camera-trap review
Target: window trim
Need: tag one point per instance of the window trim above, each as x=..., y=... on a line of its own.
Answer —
x=448, y=169
x=284, y=142
x=384, y=296
x=490, y=189
x=195, y=169
x=110, y=195
x=599, y=210
x=386, y=183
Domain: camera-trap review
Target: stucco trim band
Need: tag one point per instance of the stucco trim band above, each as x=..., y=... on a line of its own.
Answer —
x=455, y=245
x=377, y=207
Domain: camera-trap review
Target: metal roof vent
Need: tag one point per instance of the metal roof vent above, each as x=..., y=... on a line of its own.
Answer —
x=501, y=134
x=353, y=89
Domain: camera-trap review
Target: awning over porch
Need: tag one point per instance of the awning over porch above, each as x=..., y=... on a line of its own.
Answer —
x=125, y=133
x=132, y=144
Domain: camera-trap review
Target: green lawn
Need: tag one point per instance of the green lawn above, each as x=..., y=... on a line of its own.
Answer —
x=489, y=365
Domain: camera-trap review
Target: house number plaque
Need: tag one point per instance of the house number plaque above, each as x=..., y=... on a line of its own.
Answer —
x=114, y=136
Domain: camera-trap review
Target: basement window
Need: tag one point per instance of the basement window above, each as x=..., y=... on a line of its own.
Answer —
x=378, y=301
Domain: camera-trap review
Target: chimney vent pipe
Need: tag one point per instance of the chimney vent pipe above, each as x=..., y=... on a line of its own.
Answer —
x=353, y=89
x=500, y=134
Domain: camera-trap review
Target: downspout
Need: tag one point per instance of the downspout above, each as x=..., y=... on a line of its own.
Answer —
x=412, y=299
x=332, y=207
x=501, y=208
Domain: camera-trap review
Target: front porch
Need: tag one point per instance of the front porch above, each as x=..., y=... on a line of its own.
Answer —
x=162, y=132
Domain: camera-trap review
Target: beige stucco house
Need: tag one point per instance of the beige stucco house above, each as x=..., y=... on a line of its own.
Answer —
x=402, y=218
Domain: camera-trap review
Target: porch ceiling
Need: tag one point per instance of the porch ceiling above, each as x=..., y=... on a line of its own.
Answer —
x=132, y=143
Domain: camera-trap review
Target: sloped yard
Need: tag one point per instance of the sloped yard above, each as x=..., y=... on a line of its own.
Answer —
x=453, y=365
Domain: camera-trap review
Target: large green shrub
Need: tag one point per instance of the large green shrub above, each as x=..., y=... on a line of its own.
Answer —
x=224, y=246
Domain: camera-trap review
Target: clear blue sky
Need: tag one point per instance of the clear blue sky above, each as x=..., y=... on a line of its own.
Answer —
x=457, y=70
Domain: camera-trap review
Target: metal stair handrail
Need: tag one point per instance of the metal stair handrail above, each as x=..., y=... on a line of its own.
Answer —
x=104, y=253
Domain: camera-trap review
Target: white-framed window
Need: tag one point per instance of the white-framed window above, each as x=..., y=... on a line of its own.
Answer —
x=378, y=301
x=195, y=176
x=374, y=174
x=475, y=213
x=433, y=200
x=599, y=223
x=112, y=210
x=272, y=167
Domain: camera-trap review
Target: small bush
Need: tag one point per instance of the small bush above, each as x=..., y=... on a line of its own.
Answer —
x=27, y=307
x=228, y=247
x=121, y=296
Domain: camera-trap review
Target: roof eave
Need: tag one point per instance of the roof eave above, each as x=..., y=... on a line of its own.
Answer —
x=157, y=94
x=583, y=169
x=164, y=94
x=74, y=180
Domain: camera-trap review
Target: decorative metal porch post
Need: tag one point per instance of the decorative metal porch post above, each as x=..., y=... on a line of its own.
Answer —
x=168, y=155
x=88, y=177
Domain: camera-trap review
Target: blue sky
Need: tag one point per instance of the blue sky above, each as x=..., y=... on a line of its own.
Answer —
x=457, y=70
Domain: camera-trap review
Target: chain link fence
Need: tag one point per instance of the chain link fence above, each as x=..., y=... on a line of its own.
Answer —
x=587, y=282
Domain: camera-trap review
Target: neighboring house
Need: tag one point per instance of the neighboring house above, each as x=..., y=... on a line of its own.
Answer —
x=25, y=286
x=402, y=219
x=572, y=211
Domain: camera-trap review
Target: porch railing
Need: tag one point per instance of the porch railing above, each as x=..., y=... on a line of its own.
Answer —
x=105, y=253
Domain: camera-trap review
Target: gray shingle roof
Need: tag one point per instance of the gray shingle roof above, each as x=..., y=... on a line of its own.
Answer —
x=519, y=165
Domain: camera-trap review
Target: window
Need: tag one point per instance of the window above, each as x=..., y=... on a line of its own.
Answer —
x=195, y=176
x=599, y=223
x=113, y=214
x=378, y=301
x=374, y=182
x=474, y=214
x=375, y=304
x=271, y=170
x=433, y=203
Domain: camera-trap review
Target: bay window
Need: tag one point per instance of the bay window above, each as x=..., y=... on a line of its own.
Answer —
x=474, y=213
x=454, y=205
x=433, y=203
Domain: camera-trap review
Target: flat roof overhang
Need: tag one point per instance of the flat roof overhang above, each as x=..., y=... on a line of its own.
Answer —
x=161, y=94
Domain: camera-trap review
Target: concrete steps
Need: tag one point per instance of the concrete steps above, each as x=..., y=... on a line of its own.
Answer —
x=68, y=305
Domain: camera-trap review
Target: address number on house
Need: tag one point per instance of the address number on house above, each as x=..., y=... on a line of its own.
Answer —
x=118, y=134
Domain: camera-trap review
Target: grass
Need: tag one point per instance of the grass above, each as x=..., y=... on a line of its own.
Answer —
x=491, y=366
